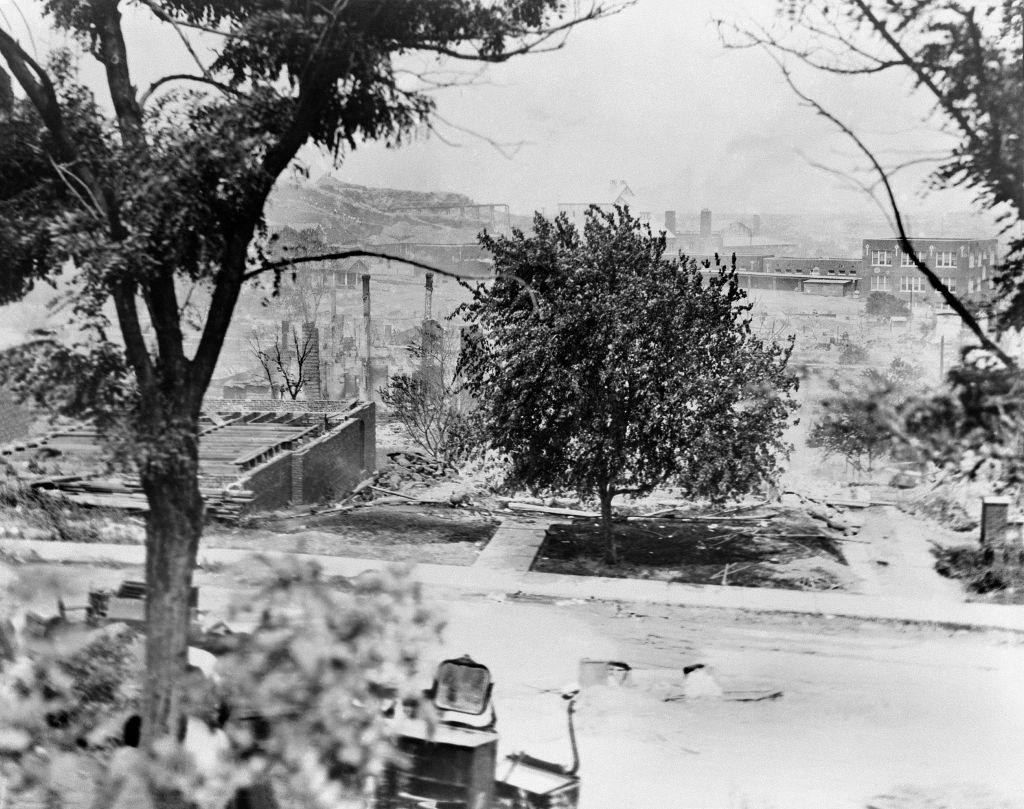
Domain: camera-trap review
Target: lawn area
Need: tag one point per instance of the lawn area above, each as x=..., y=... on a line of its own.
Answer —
x=697, y=552
x=444, y=536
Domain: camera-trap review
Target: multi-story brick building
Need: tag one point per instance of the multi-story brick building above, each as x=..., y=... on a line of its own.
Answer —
x=966, y=266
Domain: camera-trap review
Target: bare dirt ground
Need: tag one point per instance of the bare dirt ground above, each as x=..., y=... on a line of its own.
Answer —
x=872, y=714
x=741, y=554
x=394, y=533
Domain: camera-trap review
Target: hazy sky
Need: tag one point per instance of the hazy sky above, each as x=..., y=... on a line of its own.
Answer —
x=648, y=96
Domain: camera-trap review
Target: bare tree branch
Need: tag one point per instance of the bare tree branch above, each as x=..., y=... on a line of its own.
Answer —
x=597, y=11
x=183, y=77
x=277, y=266
x=506, y=150
x=933, y=280
x=167, y=18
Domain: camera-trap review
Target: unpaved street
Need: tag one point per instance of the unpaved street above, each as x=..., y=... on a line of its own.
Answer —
x=867, y=708
x=929, y=717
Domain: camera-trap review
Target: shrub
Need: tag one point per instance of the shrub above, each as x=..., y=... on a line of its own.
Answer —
x=885, y=305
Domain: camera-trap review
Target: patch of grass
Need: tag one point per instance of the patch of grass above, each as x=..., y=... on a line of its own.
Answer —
x=693, y=552
x=976, y=567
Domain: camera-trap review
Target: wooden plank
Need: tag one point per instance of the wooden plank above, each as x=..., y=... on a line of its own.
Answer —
x=562, y=512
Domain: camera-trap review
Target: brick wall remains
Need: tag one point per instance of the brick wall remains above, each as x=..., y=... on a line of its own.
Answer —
x=331, y=465
x=326, y=468
x=271, y=482
x=279, y=405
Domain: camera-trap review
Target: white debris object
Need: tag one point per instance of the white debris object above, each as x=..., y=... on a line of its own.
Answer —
x=700, y=684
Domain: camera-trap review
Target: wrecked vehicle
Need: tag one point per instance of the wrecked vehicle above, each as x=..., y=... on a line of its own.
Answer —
x=452, y=763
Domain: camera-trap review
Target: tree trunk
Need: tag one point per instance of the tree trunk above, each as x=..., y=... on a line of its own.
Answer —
x=169, y=478
x=611, y=550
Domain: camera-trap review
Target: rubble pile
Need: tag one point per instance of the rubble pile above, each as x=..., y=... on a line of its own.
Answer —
x=411, y=467
x=827, y=519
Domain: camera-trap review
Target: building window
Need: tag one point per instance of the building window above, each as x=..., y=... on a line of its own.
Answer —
x=881, y=258
x=950, y=284
x=910, y=283
x=879, y=283
x=946, y=258
x=906, y=260
x=970, y=260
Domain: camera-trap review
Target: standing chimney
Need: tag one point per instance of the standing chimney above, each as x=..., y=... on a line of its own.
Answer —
x=311, y=365
x=670, y=222
x=287, y=342
x=428, y=296
x=705, y=222
x=367, y=369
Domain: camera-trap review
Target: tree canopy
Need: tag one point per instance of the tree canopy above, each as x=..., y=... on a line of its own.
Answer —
x=155, y=195
x=616, y=369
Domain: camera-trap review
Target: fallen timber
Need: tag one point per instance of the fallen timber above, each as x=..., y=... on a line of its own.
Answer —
x=124, y=495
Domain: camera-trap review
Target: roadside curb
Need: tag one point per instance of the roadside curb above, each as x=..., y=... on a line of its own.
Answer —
x=580, y=588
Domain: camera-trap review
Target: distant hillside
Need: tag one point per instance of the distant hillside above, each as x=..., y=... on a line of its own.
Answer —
x=356, y=214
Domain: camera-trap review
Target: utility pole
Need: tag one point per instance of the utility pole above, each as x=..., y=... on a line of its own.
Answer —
x=367, y=370
x=942, y=356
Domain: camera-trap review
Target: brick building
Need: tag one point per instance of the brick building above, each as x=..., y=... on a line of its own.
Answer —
x=814, y=276
x=966, y=266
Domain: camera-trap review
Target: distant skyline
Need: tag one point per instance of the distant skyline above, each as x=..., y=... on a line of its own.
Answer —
x=649, y=96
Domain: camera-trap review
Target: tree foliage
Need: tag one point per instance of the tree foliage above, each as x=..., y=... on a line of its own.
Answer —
x=973, y=426
x=858, y=423
x=162, y=192
x=321, y=667
x=885, y=305
x=623, y=370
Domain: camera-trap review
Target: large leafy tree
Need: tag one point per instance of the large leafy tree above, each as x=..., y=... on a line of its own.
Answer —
x=604, y=366
x=151, y=195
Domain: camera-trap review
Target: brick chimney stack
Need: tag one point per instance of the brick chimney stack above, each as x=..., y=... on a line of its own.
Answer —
x=705, y=222
x=311, y=366
x=670, y=222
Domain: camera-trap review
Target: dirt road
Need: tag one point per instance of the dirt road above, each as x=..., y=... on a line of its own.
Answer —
x=872, y=715
x=868, y=710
